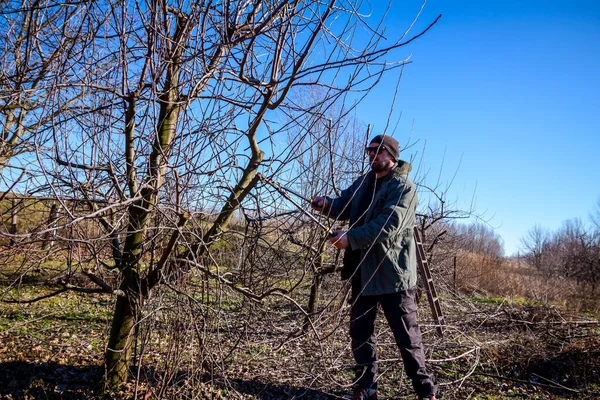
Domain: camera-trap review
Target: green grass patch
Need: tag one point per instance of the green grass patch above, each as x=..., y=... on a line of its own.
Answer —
x=488, y=300
x=517, y=301
x=91, y=309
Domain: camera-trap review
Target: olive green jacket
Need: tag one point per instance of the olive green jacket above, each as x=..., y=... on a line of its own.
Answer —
x=385, y=239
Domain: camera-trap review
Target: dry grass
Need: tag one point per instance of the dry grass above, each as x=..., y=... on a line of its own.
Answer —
x=478, y=273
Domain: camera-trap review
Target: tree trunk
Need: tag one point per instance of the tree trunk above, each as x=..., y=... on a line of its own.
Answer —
x=315, y=293
x=122, y=333
x=315, y=289
x=120, y=342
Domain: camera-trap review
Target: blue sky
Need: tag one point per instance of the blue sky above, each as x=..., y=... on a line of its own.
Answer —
x=512, y=89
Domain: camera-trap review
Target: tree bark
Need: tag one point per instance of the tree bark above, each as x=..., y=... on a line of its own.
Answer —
x=315, y=288
x=120, y=343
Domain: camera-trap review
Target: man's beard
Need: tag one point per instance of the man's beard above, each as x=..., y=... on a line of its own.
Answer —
x=380, y=166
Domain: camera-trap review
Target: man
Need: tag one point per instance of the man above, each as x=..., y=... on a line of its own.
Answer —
x=380, y=260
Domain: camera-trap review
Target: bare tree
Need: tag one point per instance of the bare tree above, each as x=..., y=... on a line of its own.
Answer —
x=534, y=244
x=571, y=252
x=160, y=147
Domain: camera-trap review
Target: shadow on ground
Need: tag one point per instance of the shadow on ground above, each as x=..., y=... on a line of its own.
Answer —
x=20, y=380
x=26, y=380
x=183, y=385
x=268, y=391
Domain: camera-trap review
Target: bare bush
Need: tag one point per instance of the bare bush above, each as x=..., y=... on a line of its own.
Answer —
x=569, y=254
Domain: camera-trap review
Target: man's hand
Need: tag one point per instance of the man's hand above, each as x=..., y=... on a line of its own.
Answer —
x=319, y=203
x=340, y=240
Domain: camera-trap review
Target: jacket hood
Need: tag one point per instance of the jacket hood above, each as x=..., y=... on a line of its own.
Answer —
x=403, y=168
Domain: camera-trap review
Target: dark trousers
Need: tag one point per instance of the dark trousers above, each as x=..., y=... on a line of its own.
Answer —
x=400, y=311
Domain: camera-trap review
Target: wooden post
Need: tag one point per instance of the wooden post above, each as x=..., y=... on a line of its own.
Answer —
x=13, y=222
x=48, y=239
x=454, y=275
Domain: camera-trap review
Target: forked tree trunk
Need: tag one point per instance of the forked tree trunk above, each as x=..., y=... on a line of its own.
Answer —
x=122, y=334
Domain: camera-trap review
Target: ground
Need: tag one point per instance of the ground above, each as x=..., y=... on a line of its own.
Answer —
x=491, y=349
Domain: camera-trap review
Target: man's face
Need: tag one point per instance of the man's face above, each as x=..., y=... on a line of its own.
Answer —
x=379, y=158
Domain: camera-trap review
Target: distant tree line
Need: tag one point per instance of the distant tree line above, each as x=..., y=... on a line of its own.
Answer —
x=572, y=251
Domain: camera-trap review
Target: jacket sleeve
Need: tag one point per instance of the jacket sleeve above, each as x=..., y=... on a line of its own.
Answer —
x=339, y=207
x=398, y=213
